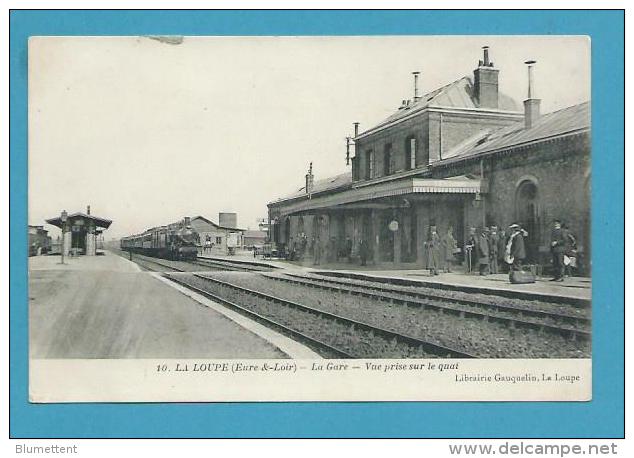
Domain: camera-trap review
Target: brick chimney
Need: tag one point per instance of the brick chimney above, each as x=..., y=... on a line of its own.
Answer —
x=485, y=81
x=531, y=104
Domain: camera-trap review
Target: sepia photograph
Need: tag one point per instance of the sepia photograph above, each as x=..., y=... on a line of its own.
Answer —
x=309, y=218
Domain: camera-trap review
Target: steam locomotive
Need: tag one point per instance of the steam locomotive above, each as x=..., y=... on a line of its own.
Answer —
x=174, y=241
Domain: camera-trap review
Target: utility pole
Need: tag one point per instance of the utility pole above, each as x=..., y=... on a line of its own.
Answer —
x=64, y=218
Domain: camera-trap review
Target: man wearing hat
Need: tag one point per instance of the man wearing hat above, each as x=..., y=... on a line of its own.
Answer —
x=483, y=252
x=558, y=248
x=432, y=247
x=470, y=249
x=515, y=251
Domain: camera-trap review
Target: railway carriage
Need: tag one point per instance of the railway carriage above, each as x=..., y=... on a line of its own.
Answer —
x=174, y=241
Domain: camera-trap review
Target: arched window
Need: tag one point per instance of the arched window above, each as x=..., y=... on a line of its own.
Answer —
x=527, y=214
x=410, y=153
x=287, y=230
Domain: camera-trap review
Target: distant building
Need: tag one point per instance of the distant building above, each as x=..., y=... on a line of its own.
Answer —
x=39, y=241
x=80, y=232
x=254, y=238
x=464, y=155
x=218, y=239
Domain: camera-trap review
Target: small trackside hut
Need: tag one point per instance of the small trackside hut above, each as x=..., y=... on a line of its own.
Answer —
x=80, y=232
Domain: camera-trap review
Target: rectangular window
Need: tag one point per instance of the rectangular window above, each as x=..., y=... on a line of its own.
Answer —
x=370, y=164
x=219, y=240
x=412, y=153
x=387, y=160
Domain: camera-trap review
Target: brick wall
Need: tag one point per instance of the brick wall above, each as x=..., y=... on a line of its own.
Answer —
x=433, y=137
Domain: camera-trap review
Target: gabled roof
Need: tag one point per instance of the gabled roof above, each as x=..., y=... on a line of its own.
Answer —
x=218, y=226
x=99, y=222
x=574, y=119
x=341, y=181
x=459, y=94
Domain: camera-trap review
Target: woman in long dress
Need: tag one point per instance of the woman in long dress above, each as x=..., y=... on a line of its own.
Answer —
x=449, y=246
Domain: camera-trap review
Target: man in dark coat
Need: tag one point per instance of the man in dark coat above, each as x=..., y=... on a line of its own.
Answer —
x=432, y=247
x=515, y=251
x=363, y=251
x=558, y=248
x=483, y=252
x=470, y=249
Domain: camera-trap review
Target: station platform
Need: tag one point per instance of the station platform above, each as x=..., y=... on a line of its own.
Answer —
x=246, y=257
x=106, y=307
x=573, y=290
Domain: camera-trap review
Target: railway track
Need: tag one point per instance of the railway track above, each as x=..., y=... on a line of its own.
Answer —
x=184, y=266
x=346, y=337
x=569, y=325
x=231, y=265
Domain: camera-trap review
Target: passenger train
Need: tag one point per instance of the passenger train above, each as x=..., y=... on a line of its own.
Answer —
x=174, y=241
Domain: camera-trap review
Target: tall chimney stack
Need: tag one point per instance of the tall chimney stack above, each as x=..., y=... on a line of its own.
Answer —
x=416, y=96
x=309, y=181
x=88, y=210
x=485, y=82
x=356, y=129
x=531, y=104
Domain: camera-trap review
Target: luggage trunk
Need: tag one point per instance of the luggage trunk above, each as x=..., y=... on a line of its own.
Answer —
x=520, y=277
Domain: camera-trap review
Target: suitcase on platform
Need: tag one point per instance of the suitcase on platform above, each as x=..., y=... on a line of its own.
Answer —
x=521, y=277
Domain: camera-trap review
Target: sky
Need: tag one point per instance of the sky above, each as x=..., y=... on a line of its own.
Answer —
x=147, y=132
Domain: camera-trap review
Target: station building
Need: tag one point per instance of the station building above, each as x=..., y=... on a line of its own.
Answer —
x=39, y=241
x=464, y=155
x=80, y=232
x=221, y=238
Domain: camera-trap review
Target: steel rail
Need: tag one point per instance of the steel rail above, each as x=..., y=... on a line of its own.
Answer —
x=262, y=319
x=429, y=347
x=358, y=289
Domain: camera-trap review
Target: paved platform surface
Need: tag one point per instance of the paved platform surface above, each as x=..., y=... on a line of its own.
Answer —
x=105, y=307
x=576, y=288
x=572, y=289
x=247, y=258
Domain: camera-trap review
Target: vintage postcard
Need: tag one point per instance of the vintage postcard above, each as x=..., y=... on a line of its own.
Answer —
x=386, y=218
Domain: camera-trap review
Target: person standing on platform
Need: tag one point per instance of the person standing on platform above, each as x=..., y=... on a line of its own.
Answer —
x=494, y=240
x=433, y=250
x=449, y=245
x=470, y=249
x=558, y=248
x=502, y=240
x=571, y=250
x=363, y=252
x=483, y=252
x=515, y=252
x=349, y=249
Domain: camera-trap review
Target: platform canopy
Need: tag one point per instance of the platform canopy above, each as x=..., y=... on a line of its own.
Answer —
x=402, y=187
x=98, y=222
